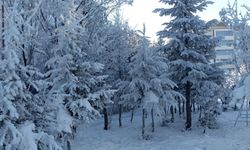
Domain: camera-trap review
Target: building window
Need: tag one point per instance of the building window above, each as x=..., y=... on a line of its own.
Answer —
x=224, y=33
x=224, y=52
x=225, y=60
x=227, y=43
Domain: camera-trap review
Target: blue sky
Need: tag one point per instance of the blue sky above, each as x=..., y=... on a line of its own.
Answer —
x=141, y=12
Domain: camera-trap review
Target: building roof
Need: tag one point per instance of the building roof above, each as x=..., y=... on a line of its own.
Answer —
x=221, y=25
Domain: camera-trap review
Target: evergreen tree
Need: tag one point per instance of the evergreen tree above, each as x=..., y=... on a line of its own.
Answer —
x=149, y=85
x=18, y=85
x=207, y=93
x=117, y=60
x=47, y=82
x=189, y=47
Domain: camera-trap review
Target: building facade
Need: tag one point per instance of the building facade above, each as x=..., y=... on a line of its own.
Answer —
x=225, y=51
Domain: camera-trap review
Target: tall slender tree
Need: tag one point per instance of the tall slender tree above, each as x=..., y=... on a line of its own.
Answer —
x=150, y=86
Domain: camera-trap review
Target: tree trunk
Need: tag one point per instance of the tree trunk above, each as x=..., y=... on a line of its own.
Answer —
x=164, y=118
x=106, y=120
x=165, y=110
x=68, y=145
x=183, y=107
x=132, y=115
x=24, y=58
x=193, y=105
x=179, y=107
x=143, y=123
x=200, y=113
x=188, y=107
x=235, y=107
x=153, y=122
x=120, y=115
x=23, y=52
x=172, y=113
x=3, y=25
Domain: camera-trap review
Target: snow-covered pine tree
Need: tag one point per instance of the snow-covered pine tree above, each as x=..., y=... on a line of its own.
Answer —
x=73, y=86
x=18, y=130
x=96, y=14
x=107, y=42
x=188, y=45
x=87, y=88
x=149, y=83
x=51, y=36
x=207, y=94
x=59, y=83
x=13, y=90
x=116, y=59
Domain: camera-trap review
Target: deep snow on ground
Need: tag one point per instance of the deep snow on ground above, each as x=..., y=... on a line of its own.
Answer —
x=171, y=137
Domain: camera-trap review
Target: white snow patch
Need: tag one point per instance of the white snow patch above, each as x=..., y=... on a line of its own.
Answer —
x=64, y=121
x=164, y=138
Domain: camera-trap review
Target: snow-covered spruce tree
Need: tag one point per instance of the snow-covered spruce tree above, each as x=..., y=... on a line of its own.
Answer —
x=72, y=85
x=149, y=82
x=65, y=89
x=207, y=93
x=49, y=35
x=116, y=60
x=188, y=45
x=96, y=21
x=18, y=130
x=107, y=43
x=55, y=119
x=13, y=90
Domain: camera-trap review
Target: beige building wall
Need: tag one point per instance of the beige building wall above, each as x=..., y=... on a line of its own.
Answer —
x=225, y=51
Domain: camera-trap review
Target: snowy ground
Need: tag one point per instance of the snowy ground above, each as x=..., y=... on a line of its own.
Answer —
x=227, y=137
